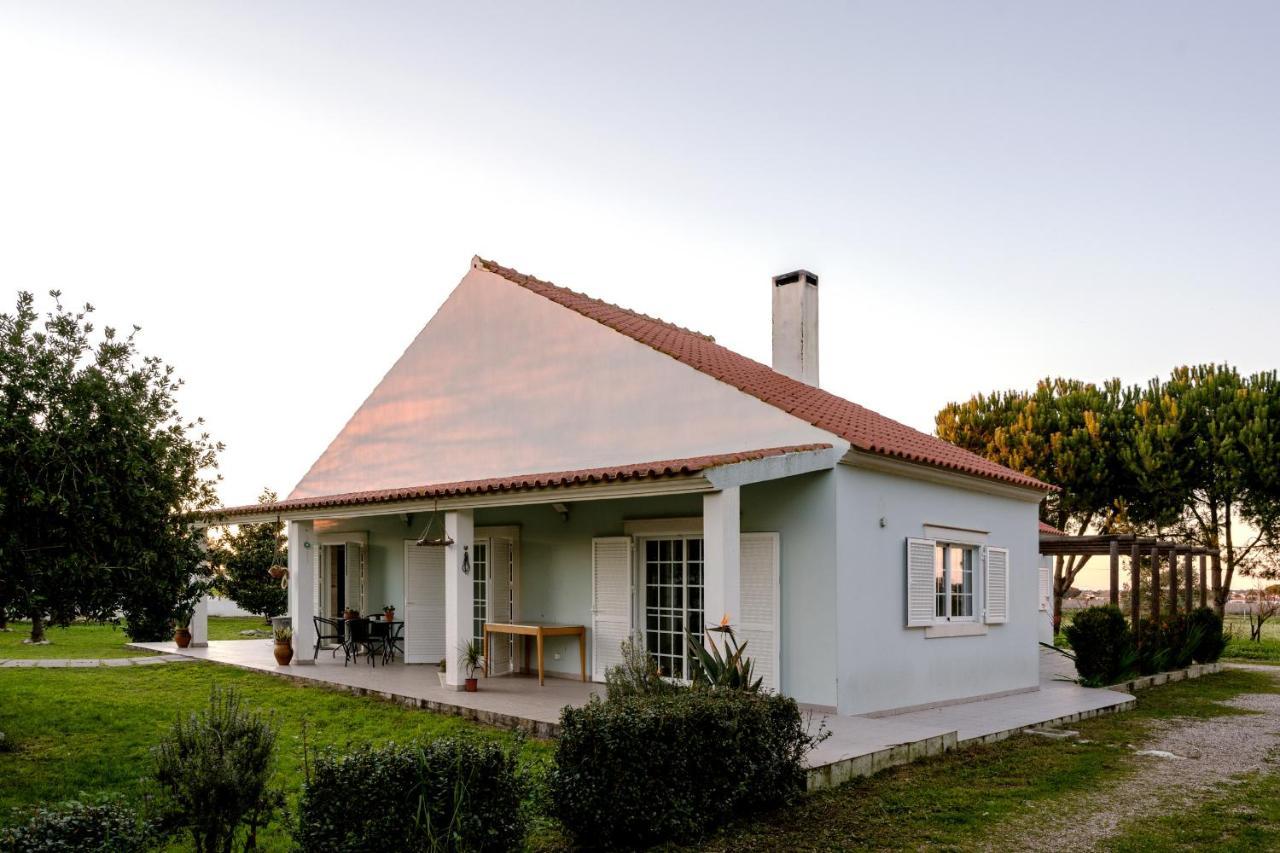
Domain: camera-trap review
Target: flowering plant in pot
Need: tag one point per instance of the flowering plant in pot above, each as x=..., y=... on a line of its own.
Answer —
x=184, y=608
x=470, y=659
x=284, y=644
x=389, y=613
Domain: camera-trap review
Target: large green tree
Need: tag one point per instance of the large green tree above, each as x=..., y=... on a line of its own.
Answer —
x=244, y=555
x=1205, y=451
x=1065, y=432
x=98, y=475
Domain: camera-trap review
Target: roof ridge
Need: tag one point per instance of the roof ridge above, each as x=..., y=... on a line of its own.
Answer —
x=524, y=280
x=865, y=429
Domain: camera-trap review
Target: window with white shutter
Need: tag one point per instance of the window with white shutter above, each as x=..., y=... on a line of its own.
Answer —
x=997, y=585
x=611, y=601
x=1046, y=588
x=424, y=617
x=758, y=626
x=920, y=582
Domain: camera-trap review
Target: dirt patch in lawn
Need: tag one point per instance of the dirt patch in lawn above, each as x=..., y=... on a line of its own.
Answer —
x=1181, y=763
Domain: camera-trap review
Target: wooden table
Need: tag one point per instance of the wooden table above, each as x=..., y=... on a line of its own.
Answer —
x=538, y=630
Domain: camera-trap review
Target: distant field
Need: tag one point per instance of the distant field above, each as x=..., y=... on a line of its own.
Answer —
x=85, y=640
x=1239, y=646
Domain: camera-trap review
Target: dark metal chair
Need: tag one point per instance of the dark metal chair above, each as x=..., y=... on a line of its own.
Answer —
x=330, y=631
x=361, y=640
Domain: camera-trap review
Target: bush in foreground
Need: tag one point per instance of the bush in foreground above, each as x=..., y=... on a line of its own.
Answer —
x=1101, y=644
x=448, y=794
x=1212, y=642
x=73, y=826
x=639, y=769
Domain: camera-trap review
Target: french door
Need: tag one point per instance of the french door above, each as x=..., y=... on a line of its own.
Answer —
x=671, y=568
x=494, y=588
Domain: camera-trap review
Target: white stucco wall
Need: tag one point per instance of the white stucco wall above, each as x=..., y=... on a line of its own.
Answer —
x=502, y=381
x=883, y=665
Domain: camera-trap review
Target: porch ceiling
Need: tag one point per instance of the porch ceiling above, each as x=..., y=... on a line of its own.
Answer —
x=694, y=474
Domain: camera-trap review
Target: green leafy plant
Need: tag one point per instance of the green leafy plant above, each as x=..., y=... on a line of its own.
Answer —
x=1101, y=645
x=109, y=825
x=215, y=768
x=1212, y=639
x=448, y=794
x=731, y=668
x=282, y=633
x=471, y=657
x=245, y=557
x=637, y=675
x=636, y=770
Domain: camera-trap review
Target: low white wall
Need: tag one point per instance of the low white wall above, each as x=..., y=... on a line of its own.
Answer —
x=219, y=606
x=882, y=664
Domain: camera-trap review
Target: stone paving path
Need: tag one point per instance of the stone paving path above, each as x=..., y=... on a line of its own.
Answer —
x=55, y=663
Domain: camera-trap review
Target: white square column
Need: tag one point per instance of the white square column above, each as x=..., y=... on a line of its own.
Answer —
x=200, y=623
x=459, y=525
x=722, y=558
x=302, y=587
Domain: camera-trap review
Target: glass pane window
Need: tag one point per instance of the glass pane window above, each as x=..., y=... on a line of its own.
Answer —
x=672, y=601
x=479, y=589
x=953, y=569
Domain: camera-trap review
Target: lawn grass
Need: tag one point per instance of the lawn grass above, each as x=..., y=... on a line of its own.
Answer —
x=1240, y=647
x=958, y=800
x=91, y=730
x=1245, y=815
x=88, y=640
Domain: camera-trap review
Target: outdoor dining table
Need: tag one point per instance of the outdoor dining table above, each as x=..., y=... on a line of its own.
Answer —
x=538, y=630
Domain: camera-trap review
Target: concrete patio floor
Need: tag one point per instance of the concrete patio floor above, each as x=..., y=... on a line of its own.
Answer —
x=857, y=746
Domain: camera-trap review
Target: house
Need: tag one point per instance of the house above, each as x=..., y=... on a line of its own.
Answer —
x=592, y=466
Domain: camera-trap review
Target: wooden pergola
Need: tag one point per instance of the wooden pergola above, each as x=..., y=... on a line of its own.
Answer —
x=1136, y=547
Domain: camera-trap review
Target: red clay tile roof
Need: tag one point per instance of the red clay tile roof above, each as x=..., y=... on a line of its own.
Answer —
x=520, y=482
x=864, y=429
x=1050, y=529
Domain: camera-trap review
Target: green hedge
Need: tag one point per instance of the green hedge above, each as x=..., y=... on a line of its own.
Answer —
x=1101, y=643
x=448, y=794
x=73, y=826
x=639, y=769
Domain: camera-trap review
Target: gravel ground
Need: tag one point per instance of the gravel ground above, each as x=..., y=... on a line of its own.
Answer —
x=1183, y=762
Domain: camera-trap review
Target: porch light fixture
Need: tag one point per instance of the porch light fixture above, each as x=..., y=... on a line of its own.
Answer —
x=563, y=509
x=442, y=538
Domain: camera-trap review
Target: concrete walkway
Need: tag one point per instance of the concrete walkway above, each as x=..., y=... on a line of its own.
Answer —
x=56, y=663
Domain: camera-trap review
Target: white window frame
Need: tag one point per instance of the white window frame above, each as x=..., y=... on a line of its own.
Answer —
x=661, y=530
x=975, y=584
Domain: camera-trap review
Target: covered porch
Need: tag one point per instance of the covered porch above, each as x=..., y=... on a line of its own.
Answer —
x=648, y=551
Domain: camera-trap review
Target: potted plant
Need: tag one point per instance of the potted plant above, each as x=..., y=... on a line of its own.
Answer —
x=284, y=644
x=348, y=614
x=389, y=613
x=184, y=608
x=470, y=659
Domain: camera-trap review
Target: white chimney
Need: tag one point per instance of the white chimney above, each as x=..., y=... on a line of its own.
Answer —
x=795, y=325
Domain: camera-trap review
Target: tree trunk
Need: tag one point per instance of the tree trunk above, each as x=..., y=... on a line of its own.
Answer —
x=37, y=627
x=1058, y=591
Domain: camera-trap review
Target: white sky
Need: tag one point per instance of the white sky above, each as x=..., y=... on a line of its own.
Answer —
x=281, y=194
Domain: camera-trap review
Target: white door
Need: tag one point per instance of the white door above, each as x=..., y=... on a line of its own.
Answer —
x=424, y=627
x=501, y=604
x=758, y=626
x=611, y=602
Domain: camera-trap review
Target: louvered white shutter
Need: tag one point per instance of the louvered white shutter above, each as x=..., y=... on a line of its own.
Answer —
x=424, y=609
x=611, y=604
x=500, y=605
x=758, y=626
x=997, y=592
x=920, y=583
x=316, y=597
x=1046, y=587
x=353, y=560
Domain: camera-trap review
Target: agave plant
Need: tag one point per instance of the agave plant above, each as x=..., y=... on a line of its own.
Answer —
x=730, y=668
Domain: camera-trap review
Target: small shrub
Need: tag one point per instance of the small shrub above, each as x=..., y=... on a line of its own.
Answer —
x=1212, y=639
x=7, y=743
x=109, y=825
x=448, y=794
x=637, y=675
x=639, y=769
x=1101, y=644
x=216, y=769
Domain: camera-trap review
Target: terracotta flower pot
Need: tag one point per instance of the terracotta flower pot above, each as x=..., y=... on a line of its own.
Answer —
x=389, y=615
x=182, y=637
x=472, y=685
x=284, y=653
